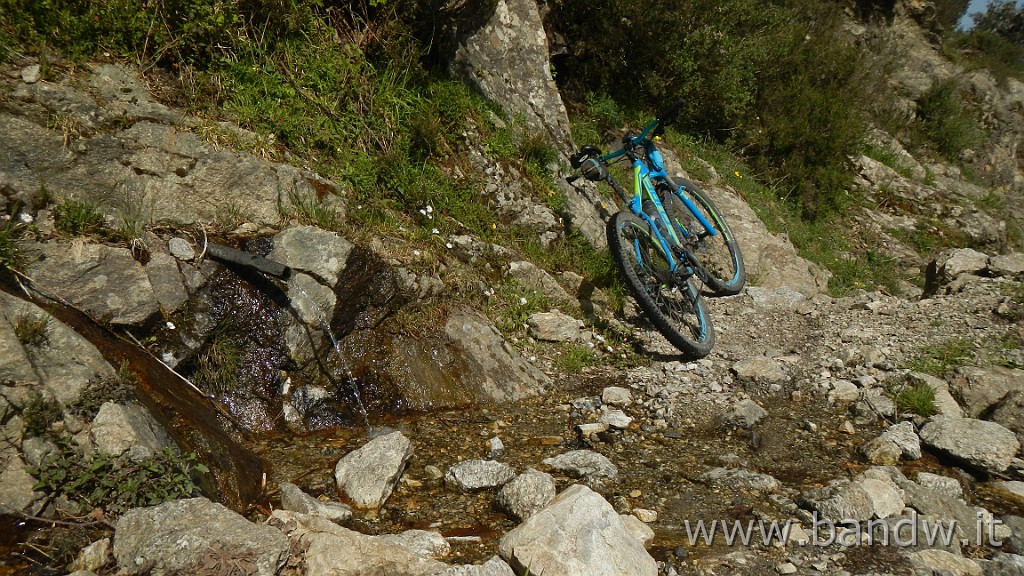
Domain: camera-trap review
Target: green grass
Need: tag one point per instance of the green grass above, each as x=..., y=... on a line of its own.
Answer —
x=917, y=399
x=30, y=328
x=574, y=358
x=943, y=357
x=79, y=218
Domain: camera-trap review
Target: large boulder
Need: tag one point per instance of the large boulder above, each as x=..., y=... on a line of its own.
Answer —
x=980, y=443
x=577, y=534
x=192, y=537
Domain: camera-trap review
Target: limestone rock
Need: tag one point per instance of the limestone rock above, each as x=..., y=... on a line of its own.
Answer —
x=127, y=428
x=473, y=475
x=316, y=252
x=577, y=534
x=617, y=396
x=584, y=463
x=980, y=443
x=494, y=566
x=369, y=474
x=739, y=479
x=760, y=369
x=554, y=326
x=423, y=543
x=526, y=494
x=743, y=414
x=179, y=536
x=295, y=500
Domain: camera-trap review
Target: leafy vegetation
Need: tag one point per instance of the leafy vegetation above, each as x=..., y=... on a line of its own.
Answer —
x=40, y=413
x=917, y=398
x=117, y=484
x=946, y=121
x=79, y=218
x=30, y=328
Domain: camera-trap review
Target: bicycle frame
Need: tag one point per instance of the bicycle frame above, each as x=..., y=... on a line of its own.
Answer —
x=648, y=169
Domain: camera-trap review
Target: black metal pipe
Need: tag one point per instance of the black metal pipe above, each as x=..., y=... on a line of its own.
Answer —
x=230, y=255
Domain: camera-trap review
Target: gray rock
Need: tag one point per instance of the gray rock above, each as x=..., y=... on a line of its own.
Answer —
x=17, y=487
x=554, y=326
x=177, y=537
x=93, y=557
x=1015, y=543
x=961, y=261
x=491, y=365
x=743, y=414
x=531, y=277
x=1010, y=412
x=903, y=435
x=316, y=252
x=982, y=444
x=616, y=419
x=760, y=369
x=1008, y=265
x=983, y=388
x=617, y=396
x=583, y=464
x=127, y=428
x=495, y=448
x=840, y=501
x=941, y=484
x=1004, y=565
x=331, y=550
x=494, y=566
x=313, y=301
x=526, y=494
x=1013, y=487
x=104, y=281
x=66, y=364
x=638, y=529
x=369, y=474
x=31, y=74
x=422, y=543
x=886, y=498
x=166, y=281
x=181, y=249
x=473, y=475
x=843, y=392
x=36, y=449
x=295, y=500
x=881, y=451
x=935, y=561
x=739, y=479
x=577, y=534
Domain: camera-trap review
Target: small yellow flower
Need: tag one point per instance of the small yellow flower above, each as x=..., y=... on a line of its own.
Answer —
x=738, y=175
x=494, y=226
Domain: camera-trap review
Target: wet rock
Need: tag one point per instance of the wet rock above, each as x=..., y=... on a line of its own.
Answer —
x=324, y=548
x=474, y=475
x=938, y=504
x=422, y=543
x=743, y=414
x=616, y=396
x=495, y=448
x=369, y=474
x=554, y=326
x=526, y=494
x=104, y=281
x=1014, y=487
x=127, y=429
x=584, y=464
x=295, y=500
x=739, y=479
x=494, y=566
x=982, y=444
x=903, y=435
x=881, y=451
x=841, y=500
x=638, y=529
x=935, y=561
x=314, y=251
x=577, y=534
x=184, y=536
x=313, y=301
x=760, y=369
x=93, y=557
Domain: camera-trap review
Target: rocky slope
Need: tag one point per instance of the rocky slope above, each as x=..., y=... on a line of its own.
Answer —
x=507, y=460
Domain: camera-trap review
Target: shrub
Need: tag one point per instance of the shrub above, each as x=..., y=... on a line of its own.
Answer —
x=945, y=120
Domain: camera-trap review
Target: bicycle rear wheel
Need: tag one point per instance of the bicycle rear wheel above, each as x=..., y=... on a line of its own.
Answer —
x=719, y=254
x=675, y=308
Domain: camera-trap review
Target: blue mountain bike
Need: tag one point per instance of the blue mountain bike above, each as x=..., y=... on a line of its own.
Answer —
x=671, y=235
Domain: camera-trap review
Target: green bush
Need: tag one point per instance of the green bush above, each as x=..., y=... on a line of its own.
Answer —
x=946, y=122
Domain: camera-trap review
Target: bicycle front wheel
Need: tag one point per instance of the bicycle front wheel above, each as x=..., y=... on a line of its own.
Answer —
x=719, y=254
x=675, y=308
